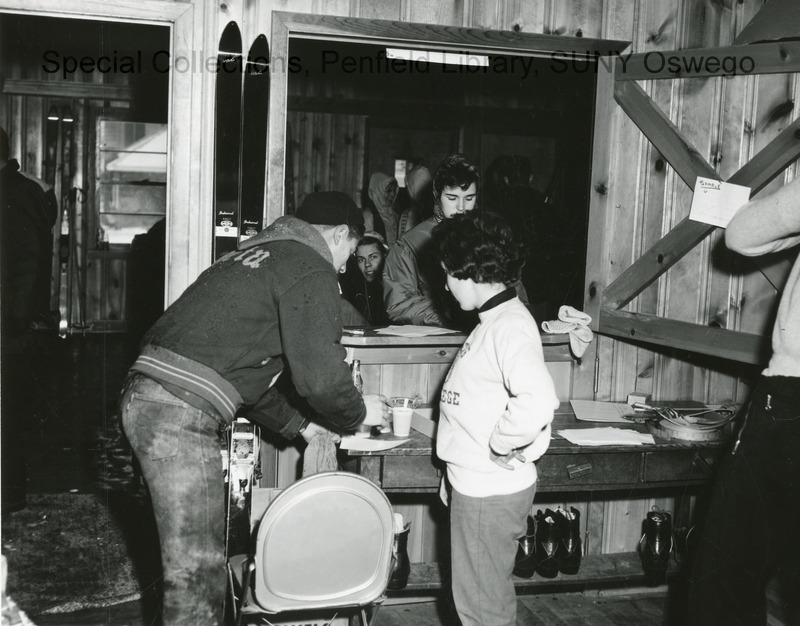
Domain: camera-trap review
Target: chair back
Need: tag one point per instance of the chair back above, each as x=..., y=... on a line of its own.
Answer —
x=324, y=542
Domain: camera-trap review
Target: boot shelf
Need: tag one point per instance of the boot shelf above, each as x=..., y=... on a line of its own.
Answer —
x=596, y=571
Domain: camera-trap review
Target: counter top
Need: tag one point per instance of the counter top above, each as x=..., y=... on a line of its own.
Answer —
x=370, y=338
x=412, y=467
x=422, y=445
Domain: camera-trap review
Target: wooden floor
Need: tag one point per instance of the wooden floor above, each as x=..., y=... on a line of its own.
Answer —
x=579, y=609
x=573, y=609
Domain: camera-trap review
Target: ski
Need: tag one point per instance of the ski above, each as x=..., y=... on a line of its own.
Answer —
x=255, y=105
x=228, y=122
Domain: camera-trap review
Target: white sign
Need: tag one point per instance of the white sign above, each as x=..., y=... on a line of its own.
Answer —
x=715, y=202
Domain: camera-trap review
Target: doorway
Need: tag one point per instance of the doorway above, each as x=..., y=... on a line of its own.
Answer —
x=95, y=131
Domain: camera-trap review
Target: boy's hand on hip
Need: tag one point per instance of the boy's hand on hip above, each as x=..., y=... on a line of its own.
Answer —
x=504, y=460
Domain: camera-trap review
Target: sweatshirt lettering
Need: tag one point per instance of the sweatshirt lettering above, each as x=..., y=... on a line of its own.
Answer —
x=450, y=397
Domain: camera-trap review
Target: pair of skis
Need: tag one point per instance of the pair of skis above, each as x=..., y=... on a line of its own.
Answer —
x=242, y=102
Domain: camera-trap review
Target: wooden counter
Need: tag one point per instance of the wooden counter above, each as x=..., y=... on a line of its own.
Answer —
x=413, y=468
x=409, y=366
x=613, y=486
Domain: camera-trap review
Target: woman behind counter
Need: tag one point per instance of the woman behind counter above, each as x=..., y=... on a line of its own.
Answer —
x=496, y=407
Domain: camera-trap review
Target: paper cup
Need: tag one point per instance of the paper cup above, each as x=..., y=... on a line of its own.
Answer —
x=401, y=421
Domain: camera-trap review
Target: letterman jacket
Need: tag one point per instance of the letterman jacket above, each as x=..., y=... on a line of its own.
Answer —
x=270, y=305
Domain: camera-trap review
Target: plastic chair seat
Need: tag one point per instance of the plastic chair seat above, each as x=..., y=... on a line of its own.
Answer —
x=325, y=542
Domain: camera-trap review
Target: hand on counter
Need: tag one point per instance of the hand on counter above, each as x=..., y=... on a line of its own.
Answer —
x=377, y=411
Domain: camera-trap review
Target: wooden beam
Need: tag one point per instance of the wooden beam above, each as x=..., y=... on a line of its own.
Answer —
x=708, y=340
x=436, y=37
x=66, y=89
x=658, y=259
x=757, y=173
x=662, y=133
x=773, y=158
x=763, y=58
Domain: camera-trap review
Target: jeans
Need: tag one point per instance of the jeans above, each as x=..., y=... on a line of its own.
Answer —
x=753, y=524
x=178, y=449
x=483, y=547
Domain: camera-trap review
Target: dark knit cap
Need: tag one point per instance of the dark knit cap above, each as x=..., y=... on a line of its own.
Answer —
x=330, y=208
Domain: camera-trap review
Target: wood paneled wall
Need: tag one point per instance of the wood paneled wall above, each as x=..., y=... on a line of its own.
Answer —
x=327, y=153
x=727, y=119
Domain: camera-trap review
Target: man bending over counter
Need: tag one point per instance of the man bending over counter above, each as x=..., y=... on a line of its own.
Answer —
x=271, y=305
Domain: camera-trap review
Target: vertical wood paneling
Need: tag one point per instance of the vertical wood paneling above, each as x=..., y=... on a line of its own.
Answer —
x=371, y=377
x=379, y=9
x=732, y=152
x=444, y=12
x=657, y=32
x=696, y=114
x=436, y=375
x=328, y=153
x=525, y=16
x=404, y=379
x=617, y=526
x=487, y=14
x=623, y=523
x=625, y=182
x=330, y=7
x=578, y=18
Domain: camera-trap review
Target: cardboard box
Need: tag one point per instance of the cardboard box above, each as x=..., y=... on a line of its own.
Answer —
x=423, y=421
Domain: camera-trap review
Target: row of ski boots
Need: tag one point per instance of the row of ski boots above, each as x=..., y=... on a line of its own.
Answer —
x=552, y=544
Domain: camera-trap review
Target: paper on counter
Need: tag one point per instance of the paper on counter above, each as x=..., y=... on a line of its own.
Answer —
x=715, y=202
x=368, y=444
x=411, y=330
x=594, y=411
x=607, y=436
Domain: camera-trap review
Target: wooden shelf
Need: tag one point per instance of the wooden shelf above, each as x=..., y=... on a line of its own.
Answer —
x=623, y=569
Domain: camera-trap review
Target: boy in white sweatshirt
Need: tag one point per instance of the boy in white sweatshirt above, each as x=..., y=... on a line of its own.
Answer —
x=496, y=407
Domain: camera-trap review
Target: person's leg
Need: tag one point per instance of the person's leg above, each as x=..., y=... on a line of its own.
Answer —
x=17, y=400
x=747, y=530
x=483, y=545
x=178, y=449
x=784, y=474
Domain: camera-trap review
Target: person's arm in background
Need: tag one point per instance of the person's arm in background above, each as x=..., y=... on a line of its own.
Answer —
x=405, y=304
x=768, y=224
x=311, y=332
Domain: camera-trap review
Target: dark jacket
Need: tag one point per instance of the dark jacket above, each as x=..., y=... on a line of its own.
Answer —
x=414, y=284
x=26, y=224
x=366, y=297
x=274, y=303
x=412, y=278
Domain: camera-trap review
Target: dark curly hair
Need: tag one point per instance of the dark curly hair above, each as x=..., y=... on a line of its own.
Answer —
x=481, y=246
x=455, y=170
